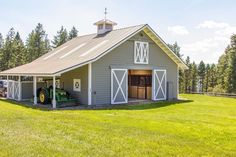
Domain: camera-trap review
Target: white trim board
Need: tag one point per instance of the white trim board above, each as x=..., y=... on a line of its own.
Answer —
x=166, y=48
x=90, y=84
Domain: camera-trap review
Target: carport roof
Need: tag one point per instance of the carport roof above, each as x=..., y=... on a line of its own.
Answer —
x=86, y=49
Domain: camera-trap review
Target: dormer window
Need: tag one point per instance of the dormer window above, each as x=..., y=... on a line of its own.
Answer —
x=141, y=52
x=100, y=26
x=109, y=26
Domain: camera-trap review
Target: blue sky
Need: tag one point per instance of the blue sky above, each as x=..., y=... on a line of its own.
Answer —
x=201, y=27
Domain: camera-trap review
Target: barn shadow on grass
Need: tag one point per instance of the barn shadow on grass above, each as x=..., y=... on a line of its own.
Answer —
x=145, y=106
x=28, y=105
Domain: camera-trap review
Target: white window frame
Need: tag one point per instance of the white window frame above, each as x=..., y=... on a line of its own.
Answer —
x=58, y=83
x=77, y=89
x=141, y=52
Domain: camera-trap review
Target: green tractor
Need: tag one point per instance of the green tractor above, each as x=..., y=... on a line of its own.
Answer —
x=45, y=96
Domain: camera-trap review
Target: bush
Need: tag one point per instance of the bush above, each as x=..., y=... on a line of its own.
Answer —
x=218, y=89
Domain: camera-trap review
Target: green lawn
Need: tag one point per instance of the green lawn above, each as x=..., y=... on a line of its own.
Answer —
x=201, y=126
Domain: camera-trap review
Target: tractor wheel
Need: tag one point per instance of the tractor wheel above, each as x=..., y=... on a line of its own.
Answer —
x=43, y=96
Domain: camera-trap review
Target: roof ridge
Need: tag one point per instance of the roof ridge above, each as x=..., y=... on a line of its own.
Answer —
x=112, y=30
x=129, y=27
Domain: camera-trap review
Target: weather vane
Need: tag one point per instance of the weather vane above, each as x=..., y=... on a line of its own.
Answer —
x=105, y=13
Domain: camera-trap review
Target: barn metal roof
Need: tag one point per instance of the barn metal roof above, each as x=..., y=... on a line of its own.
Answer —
x=86, y=49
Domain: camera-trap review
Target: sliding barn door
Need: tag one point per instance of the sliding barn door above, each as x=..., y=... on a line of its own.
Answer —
x=119, y=86
x=14, y=90
x=159, y=84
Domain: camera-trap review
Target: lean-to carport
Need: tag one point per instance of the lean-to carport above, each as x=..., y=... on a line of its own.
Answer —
x=36, y=70
x=14, y=87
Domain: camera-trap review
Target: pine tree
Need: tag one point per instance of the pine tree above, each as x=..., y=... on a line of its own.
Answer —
x=73, y=33
x=1, y=41
x=8, y=50
x=226, y=71
x=12, y=51
x=60, y=38
x=19, y=52
x=194, y=75
x=221, y=68
x=207, y=78
x=1, y=51
x=213, y=77
x=187, y=78
x=201, y=75
x=176, y=49
x=233, y=62
x=37, y=43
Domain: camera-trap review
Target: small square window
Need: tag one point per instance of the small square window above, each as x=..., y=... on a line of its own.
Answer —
x=77, y=85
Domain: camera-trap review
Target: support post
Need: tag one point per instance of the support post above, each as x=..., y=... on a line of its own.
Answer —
x=19, y=86
x=153, y=85
x=178, y=82
x=54, y=93
x=7, y=87
x=35, y=90
x=90, y=84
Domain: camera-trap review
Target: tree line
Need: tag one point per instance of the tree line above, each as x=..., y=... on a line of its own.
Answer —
x=202, y=77
x=15, y=52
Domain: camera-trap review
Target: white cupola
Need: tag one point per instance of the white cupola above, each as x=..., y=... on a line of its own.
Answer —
x=104, y=25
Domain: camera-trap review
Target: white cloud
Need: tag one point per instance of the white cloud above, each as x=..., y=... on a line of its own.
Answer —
x=178, y=30
x=213, y=37
x=221, y=28
x=228, y=31
x=208, y=49
x=212, y=24
x=200, y=46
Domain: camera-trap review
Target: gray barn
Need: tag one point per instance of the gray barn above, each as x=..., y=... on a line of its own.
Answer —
x=108, y=67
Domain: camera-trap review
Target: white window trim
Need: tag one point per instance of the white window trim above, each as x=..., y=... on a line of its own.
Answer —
x=141, y=52
x=75, y=89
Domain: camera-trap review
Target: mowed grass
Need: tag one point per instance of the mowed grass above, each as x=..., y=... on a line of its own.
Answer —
x=199, y=126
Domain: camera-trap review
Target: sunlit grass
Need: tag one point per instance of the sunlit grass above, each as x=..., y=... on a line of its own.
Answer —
x=198, y=126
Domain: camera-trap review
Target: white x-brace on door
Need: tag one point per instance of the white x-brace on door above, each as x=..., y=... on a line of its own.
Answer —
x=14, y=90
x=159, y=84
x=119, y=86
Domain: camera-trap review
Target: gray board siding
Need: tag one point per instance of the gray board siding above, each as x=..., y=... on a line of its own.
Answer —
x=123, y=57
x=67, y=83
